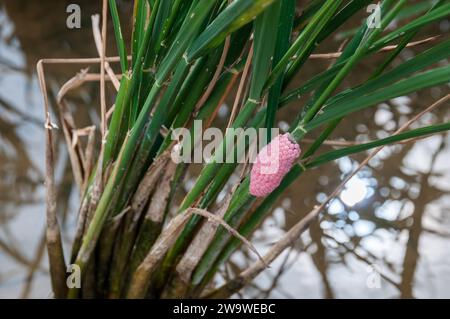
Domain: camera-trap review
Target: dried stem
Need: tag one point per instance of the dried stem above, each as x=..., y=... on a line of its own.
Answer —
x=102, y=70
x=216, y=75
x=237, y=99
x=53, y=234
x=334, y=55
x=100, y=49
x=141, y=278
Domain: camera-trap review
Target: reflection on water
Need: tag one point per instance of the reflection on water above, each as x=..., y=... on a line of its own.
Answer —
x=386, y=234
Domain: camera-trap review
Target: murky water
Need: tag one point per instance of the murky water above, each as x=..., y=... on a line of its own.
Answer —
x=387, y=235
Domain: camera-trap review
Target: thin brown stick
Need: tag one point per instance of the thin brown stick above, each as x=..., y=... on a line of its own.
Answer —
x=53, y=234
x=218, y=220
x=334, y=55
x=241, y=86
x=73, y=148
x=70, y=131
x=77, y=133
x=102, y=70
x=294, y=233
x=98, y=179
x=336, y=143
x=80, y=60
x=68, y=127
x=223, y=98
x=81, y=169
x=100, y=49
x=73, y=83
x=110, y=111
x=141, y=278
x=95, y=77
x=116, y=59
x=216, y=75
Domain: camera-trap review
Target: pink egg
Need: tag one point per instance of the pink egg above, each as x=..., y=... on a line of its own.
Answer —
x=272, y=163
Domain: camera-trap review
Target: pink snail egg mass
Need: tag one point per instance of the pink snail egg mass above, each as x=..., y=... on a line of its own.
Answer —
x=272, y=163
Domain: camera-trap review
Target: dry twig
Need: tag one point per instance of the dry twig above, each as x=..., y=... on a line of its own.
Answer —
x=100, y=49
x=237, y=99
x=388, y=48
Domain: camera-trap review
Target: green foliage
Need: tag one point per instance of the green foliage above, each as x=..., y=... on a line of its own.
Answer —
x=175, y=78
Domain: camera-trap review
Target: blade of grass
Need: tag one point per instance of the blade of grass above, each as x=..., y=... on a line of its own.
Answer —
x=189, y=29
x=305, y=40
x=118, y=124
x=427, y=79
x=299, y=131
x=244, y=198
x=333, y=155
x=442, y=11
x=283, y=41
x=139, y=14
x=299, y=227
x=265, y=38
x=236, y=15
x=119, y=38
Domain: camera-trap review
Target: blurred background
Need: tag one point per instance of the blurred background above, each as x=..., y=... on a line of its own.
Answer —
x=387, y=235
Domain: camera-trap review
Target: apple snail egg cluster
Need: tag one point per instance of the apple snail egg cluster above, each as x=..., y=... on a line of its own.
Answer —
x=272, y=163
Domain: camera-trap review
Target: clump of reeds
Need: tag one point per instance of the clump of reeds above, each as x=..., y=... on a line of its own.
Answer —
x=186, y=56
